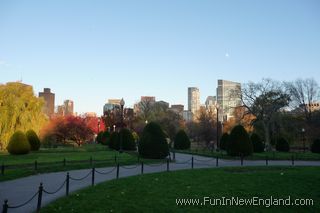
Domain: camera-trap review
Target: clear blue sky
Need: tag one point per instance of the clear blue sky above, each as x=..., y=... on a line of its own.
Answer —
x=89, y=51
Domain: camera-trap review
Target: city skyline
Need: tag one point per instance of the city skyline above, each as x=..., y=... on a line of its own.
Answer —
x=94, y=51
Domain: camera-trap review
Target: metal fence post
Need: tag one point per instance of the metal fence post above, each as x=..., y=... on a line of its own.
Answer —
x=36, y=165
x=117, y=171
x=192, y=162
x=174, y=155
x=67, y=184
x=5, y=206
x=141, y=167
x=39, y=197
x=167, y=165
x=92, y=177
x=267, y=163
x=64, y=161
x=241, y=160
x=115, y=158
x=292, y=159
x=2, y=169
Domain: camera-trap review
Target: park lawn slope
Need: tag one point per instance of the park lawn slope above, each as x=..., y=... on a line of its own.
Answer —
x=52, y=160
x=158, y=192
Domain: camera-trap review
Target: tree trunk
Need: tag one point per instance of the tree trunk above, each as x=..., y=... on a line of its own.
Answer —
x=266, y=136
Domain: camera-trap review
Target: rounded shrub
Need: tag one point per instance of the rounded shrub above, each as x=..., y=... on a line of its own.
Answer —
x=257, y=144
x=181, y=140
x=239, y=142
x=33, y=139
x=128, y=142
x=315, y=147
x=99, y=137
x=123, y=139
x=153, y=142
x=282, y=145
x=114, y=141
x=18, y=144
x=105, y=138
x=224, y=141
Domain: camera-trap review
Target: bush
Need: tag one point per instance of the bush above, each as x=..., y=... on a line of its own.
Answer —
x=257, y=144
x=99, y=137
x=239, y=142
x=18, y=144
x=282, y=145
x=125, y=135
x=153, y=143
x=128, y=142
x=105, y=138
x=224, y=141
x=114, y=138
x=315, y=147
x=33, y=139
x=181, y=141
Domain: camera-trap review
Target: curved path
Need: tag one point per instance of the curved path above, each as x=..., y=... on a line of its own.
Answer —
x=21, y=190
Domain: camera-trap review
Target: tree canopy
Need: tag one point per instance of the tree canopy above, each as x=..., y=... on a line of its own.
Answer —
x=20, y=110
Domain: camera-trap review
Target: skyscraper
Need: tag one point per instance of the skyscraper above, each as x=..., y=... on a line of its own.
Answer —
x=211, y=102
x=193, y=100
x=48, y=97
x=226, y=99
x=68, y=107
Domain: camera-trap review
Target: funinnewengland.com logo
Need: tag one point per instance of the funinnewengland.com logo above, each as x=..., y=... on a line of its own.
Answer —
x=237, y=201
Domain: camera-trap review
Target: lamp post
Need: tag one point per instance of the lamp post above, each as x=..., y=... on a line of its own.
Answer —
x=114, y=127
x=218, y=143
x=303, y=134
x=121, y=127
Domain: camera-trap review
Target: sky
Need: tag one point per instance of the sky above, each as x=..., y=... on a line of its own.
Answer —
x=91, y=51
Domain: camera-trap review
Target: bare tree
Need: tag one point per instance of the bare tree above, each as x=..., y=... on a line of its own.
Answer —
x=263, y=100
x=303, y=93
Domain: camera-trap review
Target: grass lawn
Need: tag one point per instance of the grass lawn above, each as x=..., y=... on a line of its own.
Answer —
x=51, y=160
x=257, y=156
x=158, y=192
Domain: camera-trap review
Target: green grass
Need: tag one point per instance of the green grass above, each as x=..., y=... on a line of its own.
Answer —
x=158, y=192
x=256, y=156
x=51, y=160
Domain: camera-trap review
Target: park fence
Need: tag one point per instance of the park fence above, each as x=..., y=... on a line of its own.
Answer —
x=192, y=162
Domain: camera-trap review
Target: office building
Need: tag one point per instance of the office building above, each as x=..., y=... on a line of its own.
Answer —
x=48, y=97
x=226, y=99
x=193, y=100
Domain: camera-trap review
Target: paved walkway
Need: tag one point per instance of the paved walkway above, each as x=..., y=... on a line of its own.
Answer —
x=21, y=190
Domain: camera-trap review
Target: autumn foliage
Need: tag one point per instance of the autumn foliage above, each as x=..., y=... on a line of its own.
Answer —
x=71, y=128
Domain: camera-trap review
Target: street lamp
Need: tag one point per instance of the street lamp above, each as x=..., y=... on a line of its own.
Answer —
x=122, y=105
x=114, y=128
x=146, y=121
x=303, y=134
x=218, y=143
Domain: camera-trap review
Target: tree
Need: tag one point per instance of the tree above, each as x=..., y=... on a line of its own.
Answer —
x=224, y=140
x=33, y=139
x=20, y=109
x=153, y=142
x=303, y=93
x=239, y=142
x=18, y=144
x=263, y=100
x=257, y=143
x=181, y=140
x=69, y=128
x=207, y=125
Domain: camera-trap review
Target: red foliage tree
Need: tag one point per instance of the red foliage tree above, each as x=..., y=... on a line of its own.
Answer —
x=70, y=128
